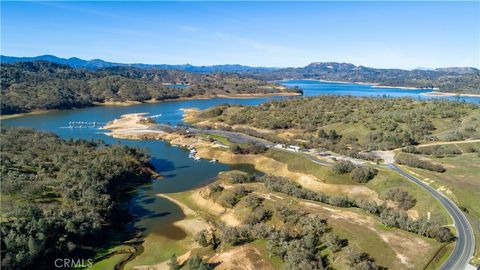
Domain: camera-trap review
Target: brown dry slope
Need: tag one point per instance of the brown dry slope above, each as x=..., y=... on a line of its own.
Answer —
x=243, y=257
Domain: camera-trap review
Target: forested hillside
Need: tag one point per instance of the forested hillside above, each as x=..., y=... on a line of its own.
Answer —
x=27, y=86
x=452, y=79
x=456, y=80
x=344, y=123
x=57, y=195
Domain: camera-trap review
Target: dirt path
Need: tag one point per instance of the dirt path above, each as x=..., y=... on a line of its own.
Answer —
x=387, y=156
x=452, y=142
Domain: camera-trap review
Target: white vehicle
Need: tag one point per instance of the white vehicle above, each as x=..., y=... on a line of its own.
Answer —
x=293, y=148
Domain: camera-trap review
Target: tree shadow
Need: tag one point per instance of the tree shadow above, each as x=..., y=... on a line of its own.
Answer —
x=165, y=165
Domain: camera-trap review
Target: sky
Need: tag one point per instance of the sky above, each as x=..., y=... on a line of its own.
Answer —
x=277, y=34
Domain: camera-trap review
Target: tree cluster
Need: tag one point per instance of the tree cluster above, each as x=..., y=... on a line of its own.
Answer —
x=58, y=195
x=298, y=242
x=230, y=197
x=359, y=174
x=248, y=148
x=389, y=216
x=27, y=86
x=402, y=198
x=413, y=161
x=386, y=123
x=195, y=262
x=438, y=151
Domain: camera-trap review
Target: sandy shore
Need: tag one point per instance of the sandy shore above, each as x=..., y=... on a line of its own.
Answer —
x=128, y=127
x=374, y=85
x=10, y=116
x=400, y=87
x=129, y=103
x=233, y=96
x=127, y=122
x=446, y=94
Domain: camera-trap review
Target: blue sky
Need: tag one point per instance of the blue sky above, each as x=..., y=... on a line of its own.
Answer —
x=377, y=34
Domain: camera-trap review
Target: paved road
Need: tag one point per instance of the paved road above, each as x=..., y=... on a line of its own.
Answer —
x=465, y=243
x=237, y=137
x=317, y=160
x=234, y=137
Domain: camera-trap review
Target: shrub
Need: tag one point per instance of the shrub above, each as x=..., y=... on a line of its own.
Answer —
x=231, y=197
x=340, y=201
x=343, y=167
x=214, y=189
x=415, y=162
x=196, y=263
x=201, y=238
x=443, y=234
x=300, y=257
x=253, y=201
x=363, y=174
x=281, y=184
x=471, y=149
x=236, y=235
x=241, y=178
x=369, y=206
x=436, y=150
x=173, y=264
x=402, y=198
x=248, y=148
x=287, y=215
x=361, y=261
x=258, y=215
x=333, y=242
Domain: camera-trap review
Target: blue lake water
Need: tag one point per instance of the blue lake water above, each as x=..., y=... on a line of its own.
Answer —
x=315, y=88
x=181, y=173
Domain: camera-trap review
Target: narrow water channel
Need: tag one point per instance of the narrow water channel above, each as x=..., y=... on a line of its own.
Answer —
x=153, y=215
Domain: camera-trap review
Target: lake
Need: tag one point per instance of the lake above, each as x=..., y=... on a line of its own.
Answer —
x=152, y=214
x=314, y=88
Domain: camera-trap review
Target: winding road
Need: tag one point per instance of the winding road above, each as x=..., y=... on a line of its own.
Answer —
x=465, y=242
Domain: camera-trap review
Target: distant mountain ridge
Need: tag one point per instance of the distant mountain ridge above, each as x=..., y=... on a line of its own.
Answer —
x=99, y=64
x=94, y=64
x=449, y=79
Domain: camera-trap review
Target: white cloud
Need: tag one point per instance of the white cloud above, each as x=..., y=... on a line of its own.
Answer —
x=264, y=47
x=189, y=28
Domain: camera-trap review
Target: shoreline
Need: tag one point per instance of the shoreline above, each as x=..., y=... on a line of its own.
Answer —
x=402, y=87
x=200, y=97
x=378, y=85
x=372, y=84
x=16, y=115
x=208, y=150
x=447, y=94
x=152, y=101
